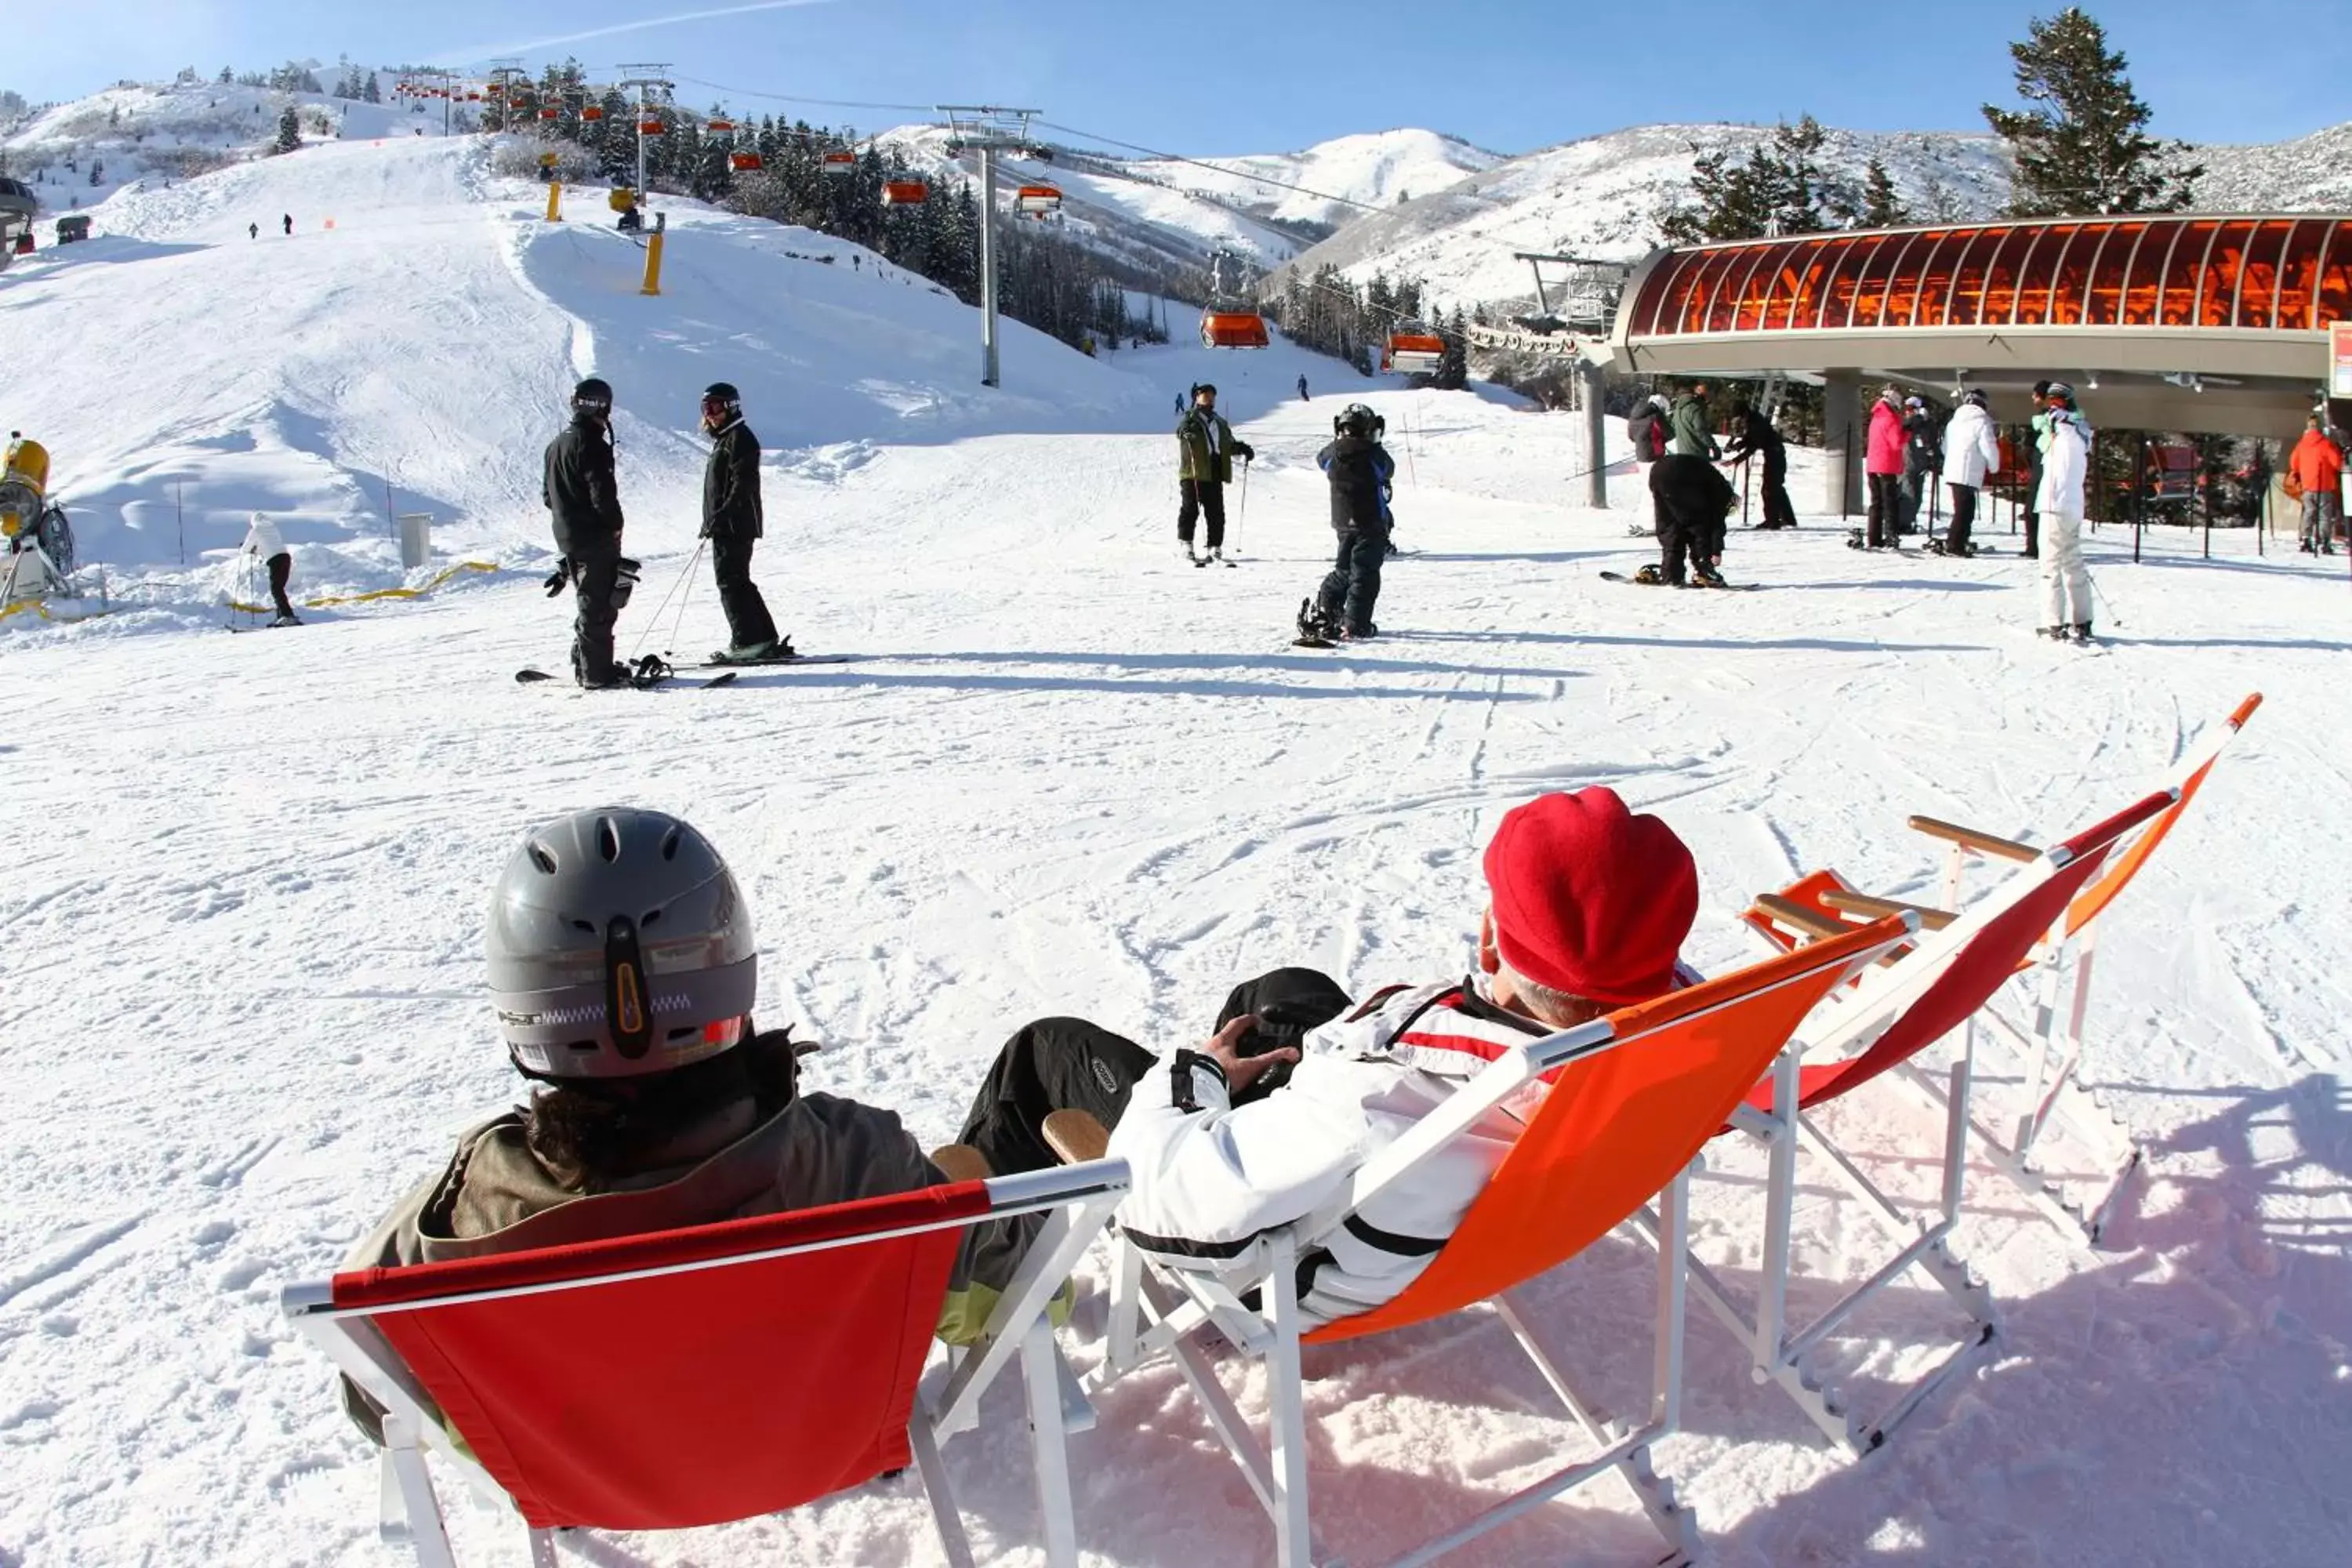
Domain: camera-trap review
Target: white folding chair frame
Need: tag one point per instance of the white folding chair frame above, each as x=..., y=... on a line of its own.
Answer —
x=1157, y=1306
x=1080, y=1199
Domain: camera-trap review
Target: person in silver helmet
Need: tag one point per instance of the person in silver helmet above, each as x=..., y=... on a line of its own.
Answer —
x=623, y=967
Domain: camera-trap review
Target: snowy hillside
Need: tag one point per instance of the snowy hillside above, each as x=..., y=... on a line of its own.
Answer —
x=1376, y=170
x=425, y=344
x=1601, y=197
x=2314, y=172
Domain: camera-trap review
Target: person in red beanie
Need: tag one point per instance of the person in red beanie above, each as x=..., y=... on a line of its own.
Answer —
x=1589, y=906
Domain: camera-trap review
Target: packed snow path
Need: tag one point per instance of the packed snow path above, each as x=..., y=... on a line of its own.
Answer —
x=241, y=1005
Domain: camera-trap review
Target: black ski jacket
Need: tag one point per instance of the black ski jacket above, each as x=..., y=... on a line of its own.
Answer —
x=1692, y=488
x=1360, y=471
x=731, y=485
x=580, y=489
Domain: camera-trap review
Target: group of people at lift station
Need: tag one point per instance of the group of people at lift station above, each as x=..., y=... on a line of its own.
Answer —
x=686, y=1111
x=1362, y=477
x=583, y=496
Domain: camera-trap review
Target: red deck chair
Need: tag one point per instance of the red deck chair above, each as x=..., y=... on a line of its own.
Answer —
x=737, y=1369
x=2052, y=996
x=1635, y=1097
x=1939, y=987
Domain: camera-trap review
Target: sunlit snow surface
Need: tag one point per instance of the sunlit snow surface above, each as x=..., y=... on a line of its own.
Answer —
x=241, y=995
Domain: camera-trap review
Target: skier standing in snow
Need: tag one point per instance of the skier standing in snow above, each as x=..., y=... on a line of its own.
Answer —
x=1971, y=450
x=1359, y=470
x=288, y=221
x=583, y=499
x=1647, y=428
x=1302, y=390
x=2066, y=465
x=1922, y=458
x=2318, y=464
x=1692, y=499
x=1589, y=906
x=1206, y=448
x=266, y=548
x=1883, y=462
x=733, y=518
x=2037, y=443
x=1755, y=436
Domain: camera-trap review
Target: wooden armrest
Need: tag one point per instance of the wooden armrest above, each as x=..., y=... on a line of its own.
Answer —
x=962, y=1163
x=1798, y=917
x=1970, y=838
x=1077, y=1136
x=1877, y=908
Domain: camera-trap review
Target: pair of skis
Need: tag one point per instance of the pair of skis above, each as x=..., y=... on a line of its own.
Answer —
x=646, y=679
x=1719, y=587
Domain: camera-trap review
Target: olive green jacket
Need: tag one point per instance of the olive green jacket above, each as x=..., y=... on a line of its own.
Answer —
x=1198, y=459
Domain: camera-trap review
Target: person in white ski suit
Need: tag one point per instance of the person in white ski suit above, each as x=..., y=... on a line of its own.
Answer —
x=2066, y=471
x=1589, y=909
x=265, y=547
x=1971, y=451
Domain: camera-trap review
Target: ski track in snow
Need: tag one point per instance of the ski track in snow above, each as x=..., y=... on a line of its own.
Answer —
x=241, y=993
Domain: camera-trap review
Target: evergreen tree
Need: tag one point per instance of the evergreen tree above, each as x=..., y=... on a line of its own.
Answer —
x=1882, y=205
x=1779, y=188
x=289, y=130
x=371, y=92
x=1454, y=369
x=2082, y=146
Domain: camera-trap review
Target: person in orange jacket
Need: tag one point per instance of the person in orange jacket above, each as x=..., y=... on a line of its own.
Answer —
x=2318, y=464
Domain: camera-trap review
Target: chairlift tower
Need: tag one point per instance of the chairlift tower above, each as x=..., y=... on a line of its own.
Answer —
x=988, y=130
x=652, y=88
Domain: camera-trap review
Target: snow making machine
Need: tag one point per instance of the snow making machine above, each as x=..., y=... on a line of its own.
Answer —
x=34, y=532
x=19, y=207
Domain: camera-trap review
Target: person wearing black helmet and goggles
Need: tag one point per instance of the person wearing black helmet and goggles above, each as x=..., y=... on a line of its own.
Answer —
x=584, y=501
x=731, y=519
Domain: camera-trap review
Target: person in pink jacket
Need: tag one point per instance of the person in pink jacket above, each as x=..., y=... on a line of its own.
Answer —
x=1884, y=464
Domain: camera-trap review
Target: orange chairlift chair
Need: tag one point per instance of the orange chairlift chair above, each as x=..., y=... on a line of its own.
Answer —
x=1413, y=350
x=1631, y=1099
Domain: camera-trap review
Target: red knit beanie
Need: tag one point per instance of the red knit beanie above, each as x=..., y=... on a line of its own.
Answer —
x=1589, y=899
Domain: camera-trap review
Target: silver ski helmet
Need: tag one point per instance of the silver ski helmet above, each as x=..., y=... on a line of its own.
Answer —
x=619, y=945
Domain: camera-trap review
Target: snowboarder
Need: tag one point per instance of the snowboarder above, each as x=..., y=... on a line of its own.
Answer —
x=583, y=499
x=1693, y=437
x=1206, y=448
x=2066, y=585
x=1361, y=470
x=733, y=518
x=1589, y=906
x=288, y=221
x=1884, y=465
x=1971, y=451
x=1302, y=390
x=267, y=547
x=253, y=231
x=1922, y=458
x=1692, y=499
x=1756, y=436
x=629, y=1126
x=2318, y=464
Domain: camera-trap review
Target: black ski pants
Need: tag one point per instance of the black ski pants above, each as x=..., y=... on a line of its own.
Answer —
x=1885, y=508
x=1203, y=498
x=1681, y=539
x=1964, y=517
x=281, y=571
x=1069, y=1064
x=1779, y=511
x=748, y=620
x=1353, y=586
x=595, y=573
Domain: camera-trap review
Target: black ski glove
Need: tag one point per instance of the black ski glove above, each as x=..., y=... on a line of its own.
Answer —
x=560, y=578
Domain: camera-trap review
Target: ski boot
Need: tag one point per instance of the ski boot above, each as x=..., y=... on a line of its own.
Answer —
x=1314, y=630
x=745, y=653
x=2080, y=632
x=1853, y=540
x=2055, y=634
x=288, y=619
x=1217, y=554
x=1708, y=577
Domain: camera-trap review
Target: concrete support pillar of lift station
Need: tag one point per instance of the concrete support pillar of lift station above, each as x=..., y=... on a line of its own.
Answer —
x=1841, y=481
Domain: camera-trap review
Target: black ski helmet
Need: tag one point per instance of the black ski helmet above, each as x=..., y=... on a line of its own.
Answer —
x=1357, y=419
x=619, y=945
x=1201, y=386
x=593, y=395
x=723, y=392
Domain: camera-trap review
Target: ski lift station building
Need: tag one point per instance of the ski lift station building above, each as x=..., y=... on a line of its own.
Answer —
x=2189, y=322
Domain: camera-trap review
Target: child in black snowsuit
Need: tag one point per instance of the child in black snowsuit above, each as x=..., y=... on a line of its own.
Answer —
x=1360, y=471
x=1692, y=500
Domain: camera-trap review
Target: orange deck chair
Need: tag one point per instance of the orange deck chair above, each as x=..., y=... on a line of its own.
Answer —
x=2053, y=989
x=734, y=1369
x=1634, y=1098
x=1936, y=989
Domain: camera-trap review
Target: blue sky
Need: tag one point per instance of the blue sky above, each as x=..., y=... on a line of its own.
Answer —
x=1228, y=77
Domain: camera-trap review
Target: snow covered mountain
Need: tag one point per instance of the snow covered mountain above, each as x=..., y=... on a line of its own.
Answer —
x=1377, y=169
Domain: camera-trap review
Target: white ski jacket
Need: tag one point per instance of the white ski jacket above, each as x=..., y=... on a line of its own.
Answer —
x=262, y=539
x=2066, y=466
x=1212, y=1178
x=1971, y=449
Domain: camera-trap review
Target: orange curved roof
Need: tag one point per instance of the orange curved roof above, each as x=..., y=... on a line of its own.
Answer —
x=2283, y=272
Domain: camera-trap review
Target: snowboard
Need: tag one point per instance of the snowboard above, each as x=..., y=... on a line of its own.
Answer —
x=1312, y=642
x=1718, y=588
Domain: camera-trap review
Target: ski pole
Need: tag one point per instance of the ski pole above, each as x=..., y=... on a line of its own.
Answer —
x=685, y=598
x=1243, y=515
x=655, y=619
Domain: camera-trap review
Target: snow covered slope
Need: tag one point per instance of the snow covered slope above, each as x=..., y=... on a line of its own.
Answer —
x=1375, y=170
x=427, y=341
